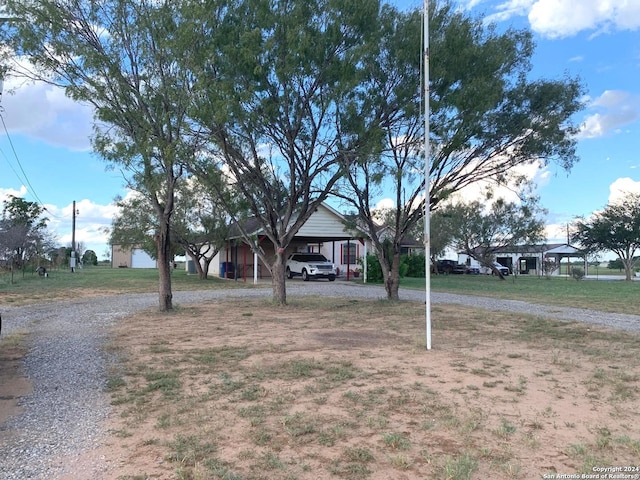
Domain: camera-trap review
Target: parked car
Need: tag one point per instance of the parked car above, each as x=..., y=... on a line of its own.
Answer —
x=501, y=268
x=310, y=265
x=473, y=270
x=450, y=267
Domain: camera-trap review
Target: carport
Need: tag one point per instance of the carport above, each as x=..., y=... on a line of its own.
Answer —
x=325, y=232
x=561, y=252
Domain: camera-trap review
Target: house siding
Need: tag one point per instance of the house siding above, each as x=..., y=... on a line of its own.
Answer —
x=323, y=224
x=120, y=257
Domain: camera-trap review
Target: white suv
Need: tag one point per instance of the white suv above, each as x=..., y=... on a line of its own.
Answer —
x=310, y=265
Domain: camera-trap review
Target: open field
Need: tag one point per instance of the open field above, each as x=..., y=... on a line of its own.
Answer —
x=328, y=389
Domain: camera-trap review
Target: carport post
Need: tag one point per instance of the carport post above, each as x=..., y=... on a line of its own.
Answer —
x=255, y=268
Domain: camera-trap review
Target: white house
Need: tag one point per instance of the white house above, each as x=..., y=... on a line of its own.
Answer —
x=325, y=232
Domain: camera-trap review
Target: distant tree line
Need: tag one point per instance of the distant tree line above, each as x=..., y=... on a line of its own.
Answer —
x=26, y=242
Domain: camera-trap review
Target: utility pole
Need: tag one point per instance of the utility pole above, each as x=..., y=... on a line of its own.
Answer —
x=72, y=260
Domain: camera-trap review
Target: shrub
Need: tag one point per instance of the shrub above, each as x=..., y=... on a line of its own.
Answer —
x=374, y=269
x=577, y=273
x=415, y=265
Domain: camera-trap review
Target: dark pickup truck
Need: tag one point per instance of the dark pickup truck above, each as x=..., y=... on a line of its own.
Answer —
x=450, y=267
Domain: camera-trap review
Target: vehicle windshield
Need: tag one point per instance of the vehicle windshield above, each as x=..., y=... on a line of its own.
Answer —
x=310, y=257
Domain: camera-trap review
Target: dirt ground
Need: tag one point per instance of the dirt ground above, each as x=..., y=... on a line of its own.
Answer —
x=249, y=390
x=13, y=384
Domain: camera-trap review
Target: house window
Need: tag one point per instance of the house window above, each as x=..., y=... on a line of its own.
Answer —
x=349, y=253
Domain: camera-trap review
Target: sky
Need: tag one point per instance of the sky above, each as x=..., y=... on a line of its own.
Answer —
x=45, y=154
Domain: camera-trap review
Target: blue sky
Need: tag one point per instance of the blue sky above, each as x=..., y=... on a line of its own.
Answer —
x=46, y=157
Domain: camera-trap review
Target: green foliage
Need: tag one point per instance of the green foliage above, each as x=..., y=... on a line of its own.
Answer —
x=89, y=257
x=577, y=273
x=23, y=235
x=616, y=228
x=415, y=265
x=615, y=265
x=22, y=212
x=480, y=231
x=488, y=116
x=374, y=268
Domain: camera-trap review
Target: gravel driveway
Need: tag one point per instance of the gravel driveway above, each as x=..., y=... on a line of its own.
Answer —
x=68, y=366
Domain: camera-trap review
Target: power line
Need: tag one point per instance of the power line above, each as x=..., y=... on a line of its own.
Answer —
x=26, y=177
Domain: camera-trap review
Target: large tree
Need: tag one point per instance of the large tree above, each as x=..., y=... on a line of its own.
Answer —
x=134, y=225
x=277, y=84
x=482, y=229
x=487, y=117
x=202, y=221
x=23, y=232
x=120, y=57
x=616, y=228
x=199, y=227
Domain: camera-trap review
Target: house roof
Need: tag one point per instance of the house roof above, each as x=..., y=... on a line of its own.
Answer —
x=545, y=248
x=324, y=224
x=564, y=249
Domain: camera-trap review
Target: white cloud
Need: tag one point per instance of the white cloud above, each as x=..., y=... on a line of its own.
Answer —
x=44, y=112
x=469, y=4
x=91, y=220
x=536, y=173
x=613, y=110
x=563, y=18
x=385, y=203
x=5, y=193
x=619, y=189
x=510, y=8
x=556, y=232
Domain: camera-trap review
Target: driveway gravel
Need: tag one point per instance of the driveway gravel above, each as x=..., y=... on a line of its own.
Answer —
x=68, y=367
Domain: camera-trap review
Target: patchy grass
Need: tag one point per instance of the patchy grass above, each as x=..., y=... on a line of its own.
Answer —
x=324, y=388
x=606, y=296
x=28, y=288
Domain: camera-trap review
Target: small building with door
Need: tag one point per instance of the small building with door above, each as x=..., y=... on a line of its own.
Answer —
x=550, y=259
x=131, y=257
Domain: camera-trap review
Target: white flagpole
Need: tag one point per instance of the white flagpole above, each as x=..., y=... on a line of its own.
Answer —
x=427, y=169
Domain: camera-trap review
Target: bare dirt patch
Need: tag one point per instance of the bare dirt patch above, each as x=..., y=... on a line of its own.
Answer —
x=13, y=383
x=346, y=389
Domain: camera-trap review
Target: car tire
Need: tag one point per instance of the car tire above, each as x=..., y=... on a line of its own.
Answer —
x=289, y=274
x=332, y=278
x=305, y=275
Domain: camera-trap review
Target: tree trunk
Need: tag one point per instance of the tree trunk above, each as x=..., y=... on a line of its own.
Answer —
x=164, y=268
x=392, y=277
x=205, y=268
x=628, y=269
x=278, y=273
x=202, y=271
x=497, y=272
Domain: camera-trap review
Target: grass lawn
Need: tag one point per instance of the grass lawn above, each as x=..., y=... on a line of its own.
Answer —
x=100, y=280
x=609, y=296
